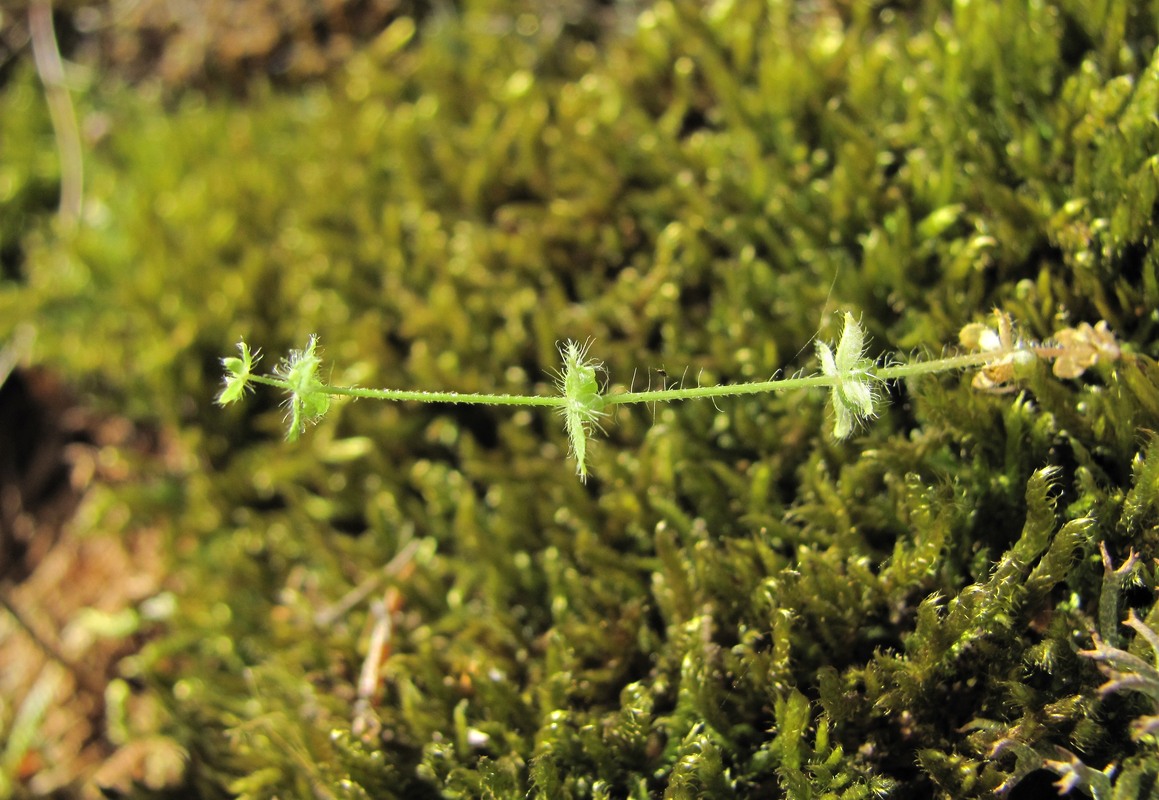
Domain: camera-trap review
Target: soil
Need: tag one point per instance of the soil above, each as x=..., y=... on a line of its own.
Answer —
x=56, y=569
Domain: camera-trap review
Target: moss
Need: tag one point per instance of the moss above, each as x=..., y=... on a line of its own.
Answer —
x=28, y=191
x=733, y=605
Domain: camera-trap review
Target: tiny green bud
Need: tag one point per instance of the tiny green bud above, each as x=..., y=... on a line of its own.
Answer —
x=853, y=394
x=237, y=374
x=580, y=386
x=308, y=400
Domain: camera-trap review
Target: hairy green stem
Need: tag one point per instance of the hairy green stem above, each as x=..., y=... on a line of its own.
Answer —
x=582, y=399
x=404, y=395
x=891, y=372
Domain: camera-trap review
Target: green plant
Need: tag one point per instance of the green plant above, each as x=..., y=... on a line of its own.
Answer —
x=1126, y=670
x=848, y=373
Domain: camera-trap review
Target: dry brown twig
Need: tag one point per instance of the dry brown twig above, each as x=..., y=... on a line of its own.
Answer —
x=50, y=68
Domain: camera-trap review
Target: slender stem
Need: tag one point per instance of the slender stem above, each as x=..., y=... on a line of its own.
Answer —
x=946, y=364
x=889, y=372
x=810, y=381
x=425, y=397
x=46, y=54
x=727, y=390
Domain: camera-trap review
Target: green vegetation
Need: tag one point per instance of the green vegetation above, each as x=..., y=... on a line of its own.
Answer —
x=421, y=601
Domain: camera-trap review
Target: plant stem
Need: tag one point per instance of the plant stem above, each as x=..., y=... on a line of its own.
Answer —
x=726, y=390
x=404, y=395
x=889, y=372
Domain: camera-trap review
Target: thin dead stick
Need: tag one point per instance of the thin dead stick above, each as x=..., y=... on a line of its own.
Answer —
x=50, y=649
x=325, y=617
x=49, y=66
x=382, y=612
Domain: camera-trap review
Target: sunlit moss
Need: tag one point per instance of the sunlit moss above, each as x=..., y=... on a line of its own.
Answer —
x=734, y=604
